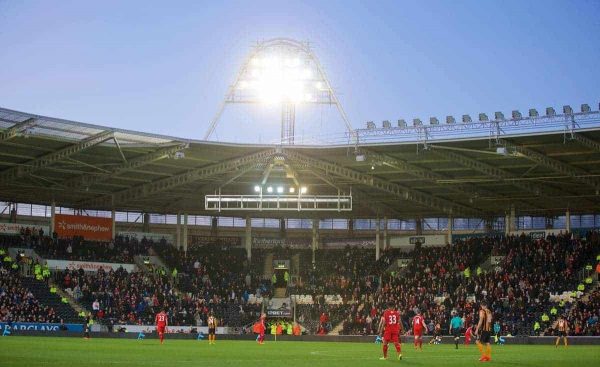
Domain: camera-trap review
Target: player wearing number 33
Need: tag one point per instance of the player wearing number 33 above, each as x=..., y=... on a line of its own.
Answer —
x=390, y=326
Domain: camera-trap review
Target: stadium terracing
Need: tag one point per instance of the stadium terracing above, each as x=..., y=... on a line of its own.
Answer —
x=533, y=164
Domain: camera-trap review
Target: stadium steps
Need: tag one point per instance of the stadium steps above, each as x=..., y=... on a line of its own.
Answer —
x=69, y=296
x=280, y=292
x=42, y=293
x=295, y=264
x=268, y=266
x=336, y=330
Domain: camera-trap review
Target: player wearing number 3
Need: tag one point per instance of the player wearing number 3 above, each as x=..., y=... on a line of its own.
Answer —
x=390, y=326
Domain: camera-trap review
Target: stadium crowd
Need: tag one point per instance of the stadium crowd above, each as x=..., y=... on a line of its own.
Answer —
x=445, y=279
x=17, y=303
x=219, y=279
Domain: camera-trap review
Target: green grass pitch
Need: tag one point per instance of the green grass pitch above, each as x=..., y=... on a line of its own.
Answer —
x=69, y=352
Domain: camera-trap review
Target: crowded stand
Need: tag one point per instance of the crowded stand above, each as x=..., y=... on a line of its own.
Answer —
x=445, y=279
x=120, y=250
x=534, y=281
x=17, y=302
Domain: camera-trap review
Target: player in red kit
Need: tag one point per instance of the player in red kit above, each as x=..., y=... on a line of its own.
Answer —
x=468, y=335
x=418, y=327
x=391, y=333
x=161, y=324
x=260, y=328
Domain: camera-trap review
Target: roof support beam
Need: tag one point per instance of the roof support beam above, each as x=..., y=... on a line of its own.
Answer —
x=576, y=173
x=88, y=180
x=501, y=175
x=356, y=193
x=184, y=178
x=467, y=189
x=14, y=130
x=592, y=144
x=400, y=191
x=50, y=158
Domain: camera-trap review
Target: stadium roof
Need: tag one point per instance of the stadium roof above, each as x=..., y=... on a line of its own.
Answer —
x=539, y=171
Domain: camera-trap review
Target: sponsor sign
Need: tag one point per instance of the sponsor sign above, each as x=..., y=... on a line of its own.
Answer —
x=286, y=242
x=537, y=235
x=212, y=240
x=279, y=307
x=352, y=242
x=279, y=313
x=156, y=237
x=15, y=228
x=416, y=239
x=170, y=329
x=90, y=228
x=465, y=236
x=40, y=327
x=88, y=265
x=410, y=241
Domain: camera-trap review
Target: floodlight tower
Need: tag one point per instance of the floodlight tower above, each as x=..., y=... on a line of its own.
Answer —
x=286, y=72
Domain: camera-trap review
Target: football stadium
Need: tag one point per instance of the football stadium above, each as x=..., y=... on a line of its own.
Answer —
x=283, y=231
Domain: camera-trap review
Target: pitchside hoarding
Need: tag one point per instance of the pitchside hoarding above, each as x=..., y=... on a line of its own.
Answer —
x=40, y=327
x=90, y=228
x=88, y=265
x=15, y=228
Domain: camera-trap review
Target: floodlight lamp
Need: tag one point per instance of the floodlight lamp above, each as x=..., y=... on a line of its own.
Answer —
x=401, y=123
x=280, y=189
x=434, y=121
x=303, y=190
x=450, y=120
x=533, y=112
x=270, y=189
x=386, y=124
x=483, y=117
x=516, y=115
x=550, y=111
x=585, y=108
x=499, y=115
x=292, y=190
x=256, y=188
x=567, y=110
x=466, y=118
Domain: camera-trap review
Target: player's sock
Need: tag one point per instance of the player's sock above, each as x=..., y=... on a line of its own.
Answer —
x=420, y=343
x=385, y=349
x=398, y=348
x=480, y=347
x=456, y=342
x=566, y=343
x=489, y=352
x=557, y=341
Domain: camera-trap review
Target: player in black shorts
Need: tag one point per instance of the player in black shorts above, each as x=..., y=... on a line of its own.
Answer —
x=484, y=330
x=86, y=327
x=212, y=328
x=563, y=330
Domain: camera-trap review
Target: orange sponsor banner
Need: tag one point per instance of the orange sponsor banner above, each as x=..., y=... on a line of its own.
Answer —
x=90, y=228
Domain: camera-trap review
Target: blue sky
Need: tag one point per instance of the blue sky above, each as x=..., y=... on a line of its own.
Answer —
x=163, y=67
